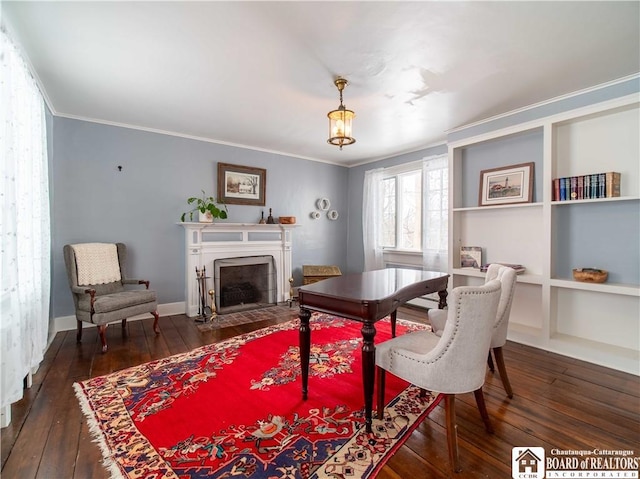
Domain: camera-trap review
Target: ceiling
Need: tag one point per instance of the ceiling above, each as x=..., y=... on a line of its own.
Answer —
x=260, y=74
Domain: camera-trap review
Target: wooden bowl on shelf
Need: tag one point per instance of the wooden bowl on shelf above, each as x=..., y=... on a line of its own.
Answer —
x=287, y=220
x=590, y=275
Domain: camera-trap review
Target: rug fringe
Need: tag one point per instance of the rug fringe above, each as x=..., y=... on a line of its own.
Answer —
x=98, y=436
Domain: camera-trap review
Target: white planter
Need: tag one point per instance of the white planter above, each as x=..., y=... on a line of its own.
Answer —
x=205, y=217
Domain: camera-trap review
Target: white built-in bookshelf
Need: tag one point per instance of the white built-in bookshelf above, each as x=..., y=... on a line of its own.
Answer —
x=599, y=323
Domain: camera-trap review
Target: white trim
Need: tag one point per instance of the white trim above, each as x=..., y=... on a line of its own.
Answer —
x=543, y=103
x=191, y=137
x=551, y=119
x=435, y=144
x=207, y=242
x=5, y=416
x=68, y=323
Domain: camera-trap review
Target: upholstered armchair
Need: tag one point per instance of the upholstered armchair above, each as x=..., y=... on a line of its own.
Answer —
x=507, y=277
x=97, y=277
x=451, y=364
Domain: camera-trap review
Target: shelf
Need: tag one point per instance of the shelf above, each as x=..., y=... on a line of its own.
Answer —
x=499, y=207
x=236, y=226
x=608, y=355
x=595, y=200
x=522, y=278
x=612, y=288
x=598, y=323
x=523, y=334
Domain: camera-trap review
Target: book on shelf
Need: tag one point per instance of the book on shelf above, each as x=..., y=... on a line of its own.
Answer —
x=612, y=184
x=555, y=196
x=470, y=257
x=584, y=187
x=574, y=188
x=594, y=186
x=587, y=187
x=518, y=267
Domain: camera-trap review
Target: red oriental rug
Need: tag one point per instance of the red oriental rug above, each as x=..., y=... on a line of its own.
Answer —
x=234, y=409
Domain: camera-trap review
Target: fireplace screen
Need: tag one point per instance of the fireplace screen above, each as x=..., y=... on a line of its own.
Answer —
x=244, y=283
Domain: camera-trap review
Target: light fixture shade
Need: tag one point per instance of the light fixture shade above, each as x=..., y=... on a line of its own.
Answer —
x=341, y=127
x=341, y=121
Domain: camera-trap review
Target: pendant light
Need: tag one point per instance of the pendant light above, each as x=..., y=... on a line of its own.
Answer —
x=341, y=121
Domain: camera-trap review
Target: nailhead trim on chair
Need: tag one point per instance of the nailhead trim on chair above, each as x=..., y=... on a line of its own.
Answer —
x=446, y=348
x=511, y=294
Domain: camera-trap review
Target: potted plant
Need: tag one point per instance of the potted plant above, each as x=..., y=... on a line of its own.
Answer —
x=206, y=208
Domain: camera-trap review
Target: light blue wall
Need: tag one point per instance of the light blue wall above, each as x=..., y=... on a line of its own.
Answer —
x=524, y=147
x=141, y=205
x=92, y=201
x=602, y=236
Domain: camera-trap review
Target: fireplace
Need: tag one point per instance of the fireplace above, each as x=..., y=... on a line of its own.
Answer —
x=206, y=244
x=244, y=283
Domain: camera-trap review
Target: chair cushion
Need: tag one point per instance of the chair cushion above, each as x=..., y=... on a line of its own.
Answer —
x=116, y=301
x=437, y=319
x=417, y=342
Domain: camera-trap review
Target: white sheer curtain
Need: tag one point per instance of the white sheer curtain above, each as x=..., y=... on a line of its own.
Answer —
x=435, y=213
x=372, y=219
x=24, y=224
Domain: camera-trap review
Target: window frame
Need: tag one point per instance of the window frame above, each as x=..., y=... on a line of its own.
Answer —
x=396, y=172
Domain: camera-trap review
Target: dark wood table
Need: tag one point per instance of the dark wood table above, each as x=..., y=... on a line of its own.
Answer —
x=365, y=297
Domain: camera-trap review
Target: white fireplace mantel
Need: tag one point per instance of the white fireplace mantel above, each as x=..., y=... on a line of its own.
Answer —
x=207, y=242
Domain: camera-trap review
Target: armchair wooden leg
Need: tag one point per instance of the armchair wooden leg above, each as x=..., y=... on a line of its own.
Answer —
x=497, y=352
x=79, y=332
x=156, y=329
x=490, y=363
x=452, y=431
x=381, y=385
x=482, y=407
x=102, y=330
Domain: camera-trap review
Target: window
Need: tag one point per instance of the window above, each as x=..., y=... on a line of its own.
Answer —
x=405, y=215
x=402, y=211
x=436, y=206
x=403, y=218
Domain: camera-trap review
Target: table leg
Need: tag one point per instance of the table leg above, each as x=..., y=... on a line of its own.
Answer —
x=305, y=348
x=442, y=304
x=394, y=316
x=368, y=370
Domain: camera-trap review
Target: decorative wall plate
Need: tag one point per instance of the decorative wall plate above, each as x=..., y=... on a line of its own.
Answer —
x=332, y=215
x=323, y=204
x=315, y=215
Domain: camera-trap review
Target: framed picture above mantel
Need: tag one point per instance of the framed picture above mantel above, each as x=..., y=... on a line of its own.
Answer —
x=506, y=185
x=241, y=185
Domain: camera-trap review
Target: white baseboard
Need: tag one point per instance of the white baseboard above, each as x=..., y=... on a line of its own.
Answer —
x=424, y=302
x=68, y=323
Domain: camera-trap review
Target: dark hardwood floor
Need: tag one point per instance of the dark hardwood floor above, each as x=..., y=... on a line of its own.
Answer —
x=559, y=403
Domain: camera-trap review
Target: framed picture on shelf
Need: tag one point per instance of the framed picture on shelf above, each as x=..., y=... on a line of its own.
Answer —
x=506, y=185
x=241, y=185
x=470, y=257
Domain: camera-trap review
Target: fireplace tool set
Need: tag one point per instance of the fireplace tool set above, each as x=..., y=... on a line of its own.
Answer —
x=205, y=313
